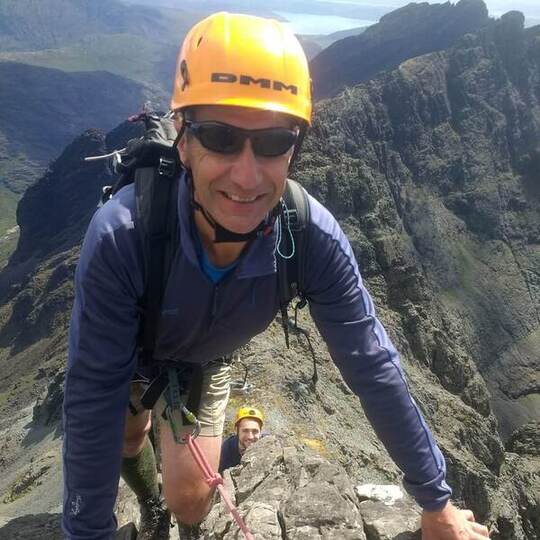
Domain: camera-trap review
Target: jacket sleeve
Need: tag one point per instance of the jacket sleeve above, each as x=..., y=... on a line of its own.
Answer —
x=101, y=361
x=345, y=316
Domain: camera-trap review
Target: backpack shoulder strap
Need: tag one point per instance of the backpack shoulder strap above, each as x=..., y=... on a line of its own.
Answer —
x=295, y=217
x=156, y=190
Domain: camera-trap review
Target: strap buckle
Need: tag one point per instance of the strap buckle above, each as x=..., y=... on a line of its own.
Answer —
x=177, y=404
x=166, y=167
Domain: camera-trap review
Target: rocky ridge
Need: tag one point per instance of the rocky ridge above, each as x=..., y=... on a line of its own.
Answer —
x=283, y=491
x=287, y=493
x=433, y=166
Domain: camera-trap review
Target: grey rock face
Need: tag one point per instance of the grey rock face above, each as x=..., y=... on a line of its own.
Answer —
x=443, y=214
x=399, y=521
x=42, y=526
x=48, y=409
x=287, y=494
x=525, y=440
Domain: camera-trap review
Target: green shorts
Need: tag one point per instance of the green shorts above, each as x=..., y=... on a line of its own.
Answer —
x=215, y=389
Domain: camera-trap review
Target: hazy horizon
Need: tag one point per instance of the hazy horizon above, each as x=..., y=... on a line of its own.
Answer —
x=311, y=24
x=530, y=8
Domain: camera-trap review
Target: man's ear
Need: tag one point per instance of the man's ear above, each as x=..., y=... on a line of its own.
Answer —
x=183, y=151
x=181, y=145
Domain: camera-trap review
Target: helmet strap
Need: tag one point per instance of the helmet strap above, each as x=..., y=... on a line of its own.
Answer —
x=298, y=144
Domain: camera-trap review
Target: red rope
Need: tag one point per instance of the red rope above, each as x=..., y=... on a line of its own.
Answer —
x=214, y=479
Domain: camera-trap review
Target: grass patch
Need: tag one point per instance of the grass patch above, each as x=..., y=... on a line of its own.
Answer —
x=316, y=445
x=9, y=231
x=130, y=56
x=25, y=483
x=17, y=172
x=469, y=270
x=8, y=209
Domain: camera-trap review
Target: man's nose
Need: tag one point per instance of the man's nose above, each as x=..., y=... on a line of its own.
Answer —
x=246, y=169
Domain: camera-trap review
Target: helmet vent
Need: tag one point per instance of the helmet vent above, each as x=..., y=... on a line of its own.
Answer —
x=184, y=74
x=199, y=42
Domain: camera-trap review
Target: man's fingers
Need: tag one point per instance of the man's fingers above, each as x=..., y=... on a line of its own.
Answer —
x=468, y=515
x=480, y=529
x=475, y=536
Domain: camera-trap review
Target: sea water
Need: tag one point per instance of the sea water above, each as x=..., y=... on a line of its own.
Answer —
x=305, y=23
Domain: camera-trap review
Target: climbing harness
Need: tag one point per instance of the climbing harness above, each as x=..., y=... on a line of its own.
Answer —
x=211, y=477
x=175, y=403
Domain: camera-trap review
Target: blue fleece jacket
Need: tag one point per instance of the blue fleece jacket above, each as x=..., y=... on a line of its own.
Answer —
x=230, y=453
x=202, y=321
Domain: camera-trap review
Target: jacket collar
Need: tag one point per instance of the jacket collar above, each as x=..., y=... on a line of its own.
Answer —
x=259, y=258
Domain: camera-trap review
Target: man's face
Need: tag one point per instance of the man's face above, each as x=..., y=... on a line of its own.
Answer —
x=249, y=432
x=237, y=190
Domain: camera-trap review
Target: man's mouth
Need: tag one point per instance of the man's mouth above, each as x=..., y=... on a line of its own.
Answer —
x=240, y=199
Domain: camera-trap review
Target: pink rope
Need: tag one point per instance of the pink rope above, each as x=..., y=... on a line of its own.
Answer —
x=214, y=479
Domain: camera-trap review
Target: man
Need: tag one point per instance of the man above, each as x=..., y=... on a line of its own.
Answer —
x=242, y=104
x=248, y=425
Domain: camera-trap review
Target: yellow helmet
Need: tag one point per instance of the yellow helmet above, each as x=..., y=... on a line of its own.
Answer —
x=248, y=412
x=233, y=59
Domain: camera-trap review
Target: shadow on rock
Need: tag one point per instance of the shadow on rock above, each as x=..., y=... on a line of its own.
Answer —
x=42, y=526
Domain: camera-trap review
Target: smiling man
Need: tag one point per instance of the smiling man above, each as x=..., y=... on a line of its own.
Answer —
x=242, y=105
x=248, y=425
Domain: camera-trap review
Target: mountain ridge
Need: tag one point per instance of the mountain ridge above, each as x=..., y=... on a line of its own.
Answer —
x=412, y=30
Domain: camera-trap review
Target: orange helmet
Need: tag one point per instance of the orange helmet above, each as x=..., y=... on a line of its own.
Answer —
x=248, y=412
x=233, y=59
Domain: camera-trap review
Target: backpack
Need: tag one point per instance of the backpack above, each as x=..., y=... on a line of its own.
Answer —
x=151, y=163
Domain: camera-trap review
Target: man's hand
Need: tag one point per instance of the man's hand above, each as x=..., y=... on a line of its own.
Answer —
x=451, y=523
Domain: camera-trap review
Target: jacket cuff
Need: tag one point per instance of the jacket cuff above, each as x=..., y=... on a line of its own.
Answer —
x=432, y=495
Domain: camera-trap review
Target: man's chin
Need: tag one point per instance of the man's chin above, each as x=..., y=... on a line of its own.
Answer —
x=240, y=228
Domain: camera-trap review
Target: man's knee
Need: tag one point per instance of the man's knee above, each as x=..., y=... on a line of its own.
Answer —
x=133, y=446
x=189, y=504
x=137, y=428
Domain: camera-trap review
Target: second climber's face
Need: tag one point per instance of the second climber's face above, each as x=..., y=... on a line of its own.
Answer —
x=249, y=432
x=233, y=180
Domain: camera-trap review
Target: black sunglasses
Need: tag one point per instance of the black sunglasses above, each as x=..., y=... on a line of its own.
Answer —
x=227, y=139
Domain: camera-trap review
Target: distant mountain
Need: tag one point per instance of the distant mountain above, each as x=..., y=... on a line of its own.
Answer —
x=313, y=44
x=95, y=37
x=57, y=187
x=410, y=31
x=35, y=25
x=133, y=41
x=131, y=56
x=43, y=109
x=264, y=8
